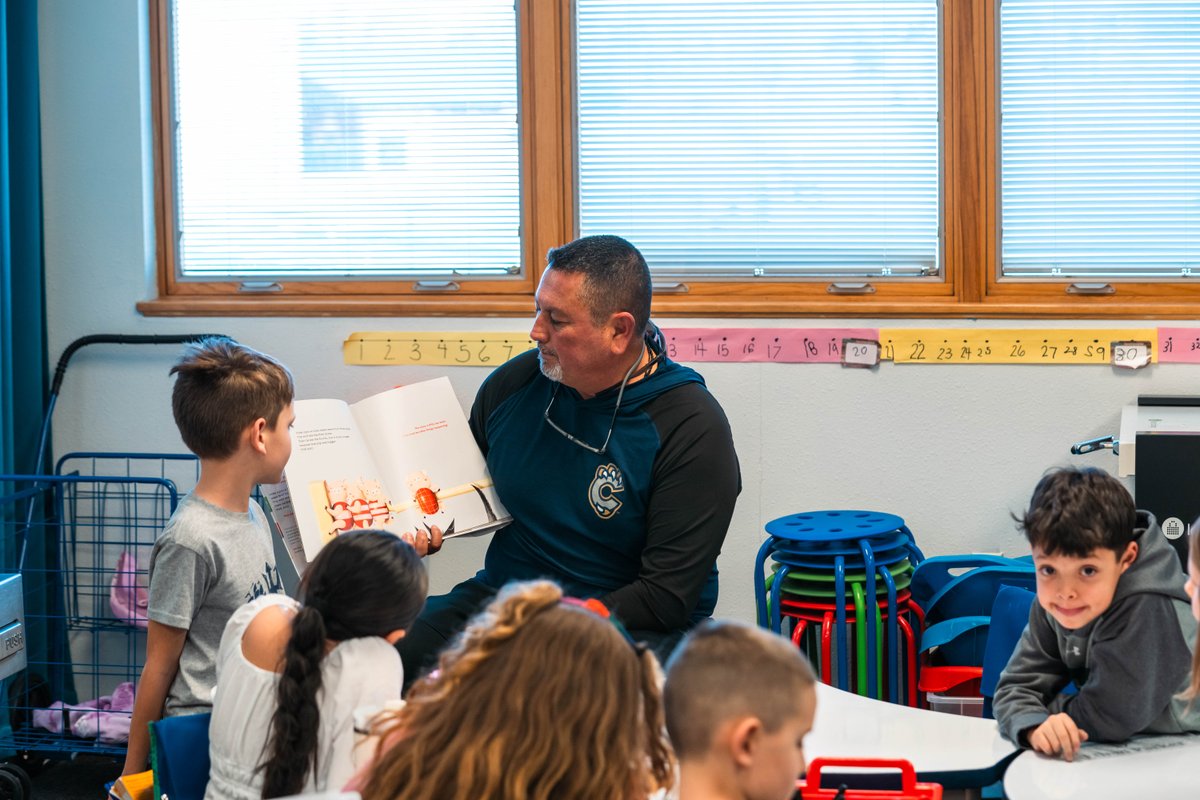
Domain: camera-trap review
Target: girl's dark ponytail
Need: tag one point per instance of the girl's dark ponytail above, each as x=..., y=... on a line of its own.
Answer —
x=292, y=746
x=362, y=584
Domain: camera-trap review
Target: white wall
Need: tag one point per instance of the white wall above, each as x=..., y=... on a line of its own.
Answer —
x=953, y=450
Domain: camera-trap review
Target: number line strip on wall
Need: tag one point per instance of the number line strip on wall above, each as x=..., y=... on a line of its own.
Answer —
x=1121, y=347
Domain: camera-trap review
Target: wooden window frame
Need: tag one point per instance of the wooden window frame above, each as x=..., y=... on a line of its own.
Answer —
x=970, y=285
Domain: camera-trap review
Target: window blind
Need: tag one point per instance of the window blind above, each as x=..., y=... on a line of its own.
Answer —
x=1100, y=138
x=362, y=138
x=773, y=139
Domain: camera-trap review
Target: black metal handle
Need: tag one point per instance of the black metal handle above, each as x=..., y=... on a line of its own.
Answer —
x=118, y=338
x=1092, y=445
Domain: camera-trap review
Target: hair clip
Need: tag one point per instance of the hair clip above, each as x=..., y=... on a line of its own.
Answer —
x=599, y=609
x=591, y=604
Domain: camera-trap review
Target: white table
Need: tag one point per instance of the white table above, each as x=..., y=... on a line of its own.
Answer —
x=1166, y=773
x=955, y=751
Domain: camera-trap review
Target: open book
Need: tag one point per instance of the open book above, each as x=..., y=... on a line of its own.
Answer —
x=401, y=460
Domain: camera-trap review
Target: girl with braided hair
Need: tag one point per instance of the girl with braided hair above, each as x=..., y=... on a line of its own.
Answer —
x=540, y=698
x=292, y=677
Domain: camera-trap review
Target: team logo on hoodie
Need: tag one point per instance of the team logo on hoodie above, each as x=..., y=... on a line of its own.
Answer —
x=602, y=494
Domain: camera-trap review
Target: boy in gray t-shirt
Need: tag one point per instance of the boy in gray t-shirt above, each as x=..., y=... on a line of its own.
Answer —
x=233, y=407
x=208, y=562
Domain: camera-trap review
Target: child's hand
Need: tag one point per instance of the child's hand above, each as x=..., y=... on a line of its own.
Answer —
x=1058, y=736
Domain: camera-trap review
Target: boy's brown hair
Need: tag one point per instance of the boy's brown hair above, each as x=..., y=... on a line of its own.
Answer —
x=724, y=670
x=1075, y=510
x=221, y=387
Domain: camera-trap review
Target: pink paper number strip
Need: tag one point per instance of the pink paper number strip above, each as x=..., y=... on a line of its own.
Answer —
x=1179, y=345
x=782, y=345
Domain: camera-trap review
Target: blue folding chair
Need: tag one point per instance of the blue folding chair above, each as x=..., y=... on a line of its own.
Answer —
x=179, y=756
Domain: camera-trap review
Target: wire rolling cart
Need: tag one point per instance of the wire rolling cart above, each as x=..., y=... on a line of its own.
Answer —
x=78, y=541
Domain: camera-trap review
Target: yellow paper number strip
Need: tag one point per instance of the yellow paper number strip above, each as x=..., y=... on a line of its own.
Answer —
x=1118, y=346
x=436, y=348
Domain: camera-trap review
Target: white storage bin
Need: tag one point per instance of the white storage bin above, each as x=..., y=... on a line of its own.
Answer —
x=949, y=704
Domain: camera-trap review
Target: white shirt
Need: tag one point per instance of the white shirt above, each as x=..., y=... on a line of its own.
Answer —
x=359, y=675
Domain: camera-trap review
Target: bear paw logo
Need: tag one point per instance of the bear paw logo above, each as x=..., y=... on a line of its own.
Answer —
x=603, y=492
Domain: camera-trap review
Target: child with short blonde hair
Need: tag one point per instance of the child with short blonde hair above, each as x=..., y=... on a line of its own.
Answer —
x=739, y=701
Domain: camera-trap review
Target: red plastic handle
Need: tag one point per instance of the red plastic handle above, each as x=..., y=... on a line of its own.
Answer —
x=908, y=775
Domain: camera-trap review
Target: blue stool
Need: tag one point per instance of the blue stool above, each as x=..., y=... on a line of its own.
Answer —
x=842, y=539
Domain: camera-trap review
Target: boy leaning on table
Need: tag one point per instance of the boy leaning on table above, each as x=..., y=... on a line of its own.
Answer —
x=1111, y=617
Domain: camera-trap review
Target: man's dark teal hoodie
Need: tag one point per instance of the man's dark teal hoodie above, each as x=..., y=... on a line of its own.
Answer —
x=639, y=526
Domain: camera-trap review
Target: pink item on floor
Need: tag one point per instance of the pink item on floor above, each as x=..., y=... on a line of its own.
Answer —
x=127, y=597
x=106, y=717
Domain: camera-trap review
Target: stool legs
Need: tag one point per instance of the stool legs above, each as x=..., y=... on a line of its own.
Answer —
x=760, y=589
x=839, y=589
x=893, y=636
x=913, y=697
x=872, y=645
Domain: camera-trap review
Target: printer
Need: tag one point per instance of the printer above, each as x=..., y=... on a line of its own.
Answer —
x=1159, y=445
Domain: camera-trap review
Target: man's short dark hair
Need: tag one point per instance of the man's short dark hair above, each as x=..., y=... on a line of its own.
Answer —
x=1076, y=510
x=616, y=277
x=222, y=387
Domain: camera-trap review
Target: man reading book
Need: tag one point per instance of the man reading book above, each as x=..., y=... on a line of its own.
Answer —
x=616, y=464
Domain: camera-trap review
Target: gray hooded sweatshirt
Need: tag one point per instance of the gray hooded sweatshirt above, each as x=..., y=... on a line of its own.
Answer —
x=1130, y=663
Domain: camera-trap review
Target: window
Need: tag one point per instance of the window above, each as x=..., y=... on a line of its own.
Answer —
x=762, y=139
x=1100, y=140
x=314, y=153
x=770, y=157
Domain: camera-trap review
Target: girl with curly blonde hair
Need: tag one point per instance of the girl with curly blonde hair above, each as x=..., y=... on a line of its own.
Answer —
x=541, y=697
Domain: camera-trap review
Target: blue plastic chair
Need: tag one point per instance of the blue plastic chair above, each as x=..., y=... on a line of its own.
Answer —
x=959, y=639
x=179, y=756
x=972, y=592
x=935, y=573
x=1010, y=615
x=957, y=615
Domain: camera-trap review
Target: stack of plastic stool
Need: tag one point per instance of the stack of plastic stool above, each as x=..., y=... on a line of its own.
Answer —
x=833, y=561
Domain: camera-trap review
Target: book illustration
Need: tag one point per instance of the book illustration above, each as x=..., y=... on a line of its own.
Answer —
x=402, y=460
x=432, y=502
x=378, y=512
x=423, y=491
x=337, y=505
x=343, y=505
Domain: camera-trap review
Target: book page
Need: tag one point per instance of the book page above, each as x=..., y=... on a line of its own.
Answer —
x=430, y=464
x=331, y=478
x=283, y=515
